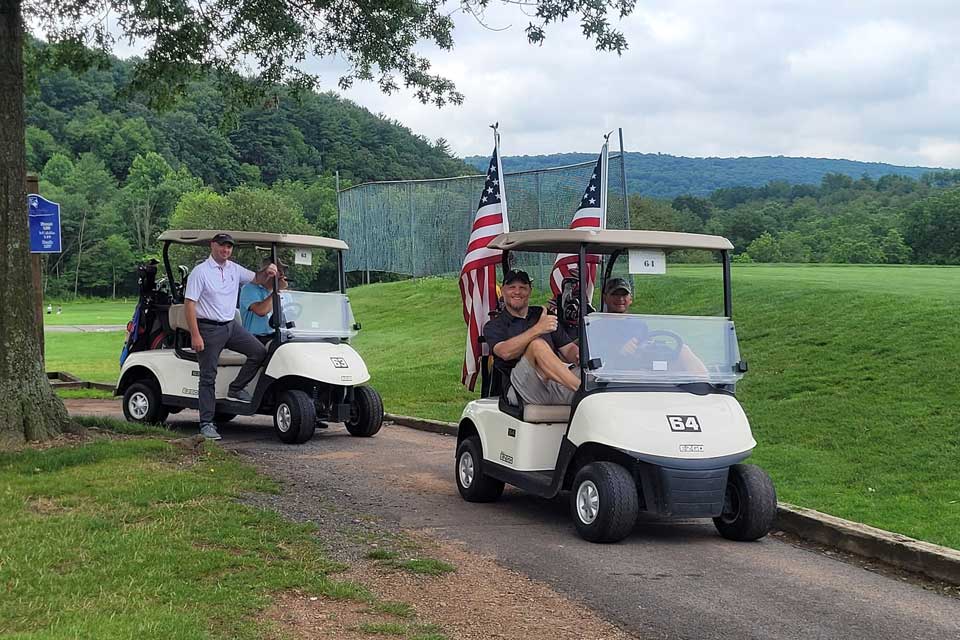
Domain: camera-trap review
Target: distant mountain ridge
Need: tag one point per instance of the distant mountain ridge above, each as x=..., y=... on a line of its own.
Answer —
x=659, y=175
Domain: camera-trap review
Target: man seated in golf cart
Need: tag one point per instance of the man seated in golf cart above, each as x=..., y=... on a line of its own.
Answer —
x=617, y=298
x=256, y=304
x=527, y=348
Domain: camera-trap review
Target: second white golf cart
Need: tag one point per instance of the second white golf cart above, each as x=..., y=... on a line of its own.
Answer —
x=311, y=373
x=655, y=424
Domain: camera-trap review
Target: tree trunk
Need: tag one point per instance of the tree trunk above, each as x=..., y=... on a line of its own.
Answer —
x=29, y=410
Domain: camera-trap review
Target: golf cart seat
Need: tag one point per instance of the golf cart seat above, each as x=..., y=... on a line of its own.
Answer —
x=177, y=317
x=546, y=413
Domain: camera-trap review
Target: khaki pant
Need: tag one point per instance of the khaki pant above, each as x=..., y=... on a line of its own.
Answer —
x=535, y=390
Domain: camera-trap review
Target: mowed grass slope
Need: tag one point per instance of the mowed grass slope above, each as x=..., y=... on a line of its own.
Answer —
x=852, y=389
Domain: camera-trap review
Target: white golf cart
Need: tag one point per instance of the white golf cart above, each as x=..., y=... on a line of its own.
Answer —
x=311, y=373
x=655, y=424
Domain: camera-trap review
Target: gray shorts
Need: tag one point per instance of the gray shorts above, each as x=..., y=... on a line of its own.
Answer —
x=535, y=390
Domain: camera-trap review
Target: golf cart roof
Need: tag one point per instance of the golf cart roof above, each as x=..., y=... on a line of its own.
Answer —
x=205, y=236
x=604, y=240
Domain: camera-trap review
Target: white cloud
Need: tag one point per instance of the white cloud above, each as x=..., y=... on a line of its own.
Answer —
x=863, y=80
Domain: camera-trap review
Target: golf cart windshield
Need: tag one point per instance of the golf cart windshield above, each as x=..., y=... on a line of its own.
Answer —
x=662, y=349
x=316, y=315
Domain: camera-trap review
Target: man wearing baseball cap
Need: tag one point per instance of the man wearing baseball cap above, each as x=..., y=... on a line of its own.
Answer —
x=617, y=295
x=256, y=304
x=617, y=298
x=527, y=347
x=210, y=303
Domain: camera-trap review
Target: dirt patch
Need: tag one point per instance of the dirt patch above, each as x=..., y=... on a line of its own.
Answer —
x=480, y=599
x=44, y=506
x=93, y=407
x=335, y=455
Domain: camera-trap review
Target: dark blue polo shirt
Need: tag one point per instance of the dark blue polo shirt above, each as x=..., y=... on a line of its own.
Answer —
x=506, y=326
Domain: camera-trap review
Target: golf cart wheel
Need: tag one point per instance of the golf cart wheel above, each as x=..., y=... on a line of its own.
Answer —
x=366, y=413
x=223, y=418
x=474, y=485
x=749, y=505
x=294, y=417
x=141, y=404
x=604, y=502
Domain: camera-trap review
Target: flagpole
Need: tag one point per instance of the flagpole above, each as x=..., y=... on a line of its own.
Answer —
x=604, y=184
x=503, y=183
x=605, y=179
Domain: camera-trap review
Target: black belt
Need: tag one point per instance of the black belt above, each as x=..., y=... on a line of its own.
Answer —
x=219, y=324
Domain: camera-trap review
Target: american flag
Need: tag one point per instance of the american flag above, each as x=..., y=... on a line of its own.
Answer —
x=478, y=276
x=592, y=212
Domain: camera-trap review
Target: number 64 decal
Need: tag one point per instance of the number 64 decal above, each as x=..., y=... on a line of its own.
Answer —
x=683, y=423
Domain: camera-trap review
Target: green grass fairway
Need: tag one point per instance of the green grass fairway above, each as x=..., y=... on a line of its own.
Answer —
x=852, y=390
x=89, y=356
x=940, y=283
x=100, y=312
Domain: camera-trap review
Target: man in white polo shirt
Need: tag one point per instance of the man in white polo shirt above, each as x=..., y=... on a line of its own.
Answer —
x=210, y=303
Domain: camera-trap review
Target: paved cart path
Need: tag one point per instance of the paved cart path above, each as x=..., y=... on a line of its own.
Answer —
x=667, y=580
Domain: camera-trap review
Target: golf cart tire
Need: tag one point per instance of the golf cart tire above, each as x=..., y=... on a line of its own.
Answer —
x=617, y=502
x=369, y=412
x=749, y=505
x=223, y=418
x=294, y=417
x=475, y=487
x=141, y=404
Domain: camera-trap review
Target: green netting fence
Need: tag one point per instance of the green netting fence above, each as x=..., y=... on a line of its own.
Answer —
x=421, y=227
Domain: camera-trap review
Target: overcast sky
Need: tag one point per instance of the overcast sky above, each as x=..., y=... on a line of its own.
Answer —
x=871, y=80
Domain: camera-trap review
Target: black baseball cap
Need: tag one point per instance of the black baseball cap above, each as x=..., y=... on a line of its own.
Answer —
x=223, y=238
x=516, y=274
x=616, y=284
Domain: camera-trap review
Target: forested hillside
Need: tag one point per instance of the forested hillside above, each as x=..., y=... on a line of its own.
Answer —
x=893, y=220
x=120, y=169
x=659, y=175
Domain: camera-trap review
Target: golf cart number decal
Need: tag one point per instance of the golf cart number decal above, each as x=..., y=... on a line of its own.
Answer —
x=683, y=423
x=339, y=363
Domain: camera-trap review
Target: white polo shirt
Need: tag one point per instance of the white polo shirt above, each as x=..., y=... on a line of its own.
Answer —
x=214, y=288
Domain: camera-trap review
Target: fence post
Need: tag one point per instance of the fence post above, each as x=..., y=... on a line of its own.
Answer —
x=413, y=239
x=540, y=278
x=623, y=180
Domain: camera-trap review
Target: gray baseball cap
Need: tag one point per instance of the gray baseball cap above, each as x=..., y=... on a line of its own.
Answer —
x=617, y=284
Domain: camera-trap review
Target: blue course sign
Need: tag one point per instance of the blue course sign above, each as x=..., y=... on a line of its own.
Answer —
x=44, y=219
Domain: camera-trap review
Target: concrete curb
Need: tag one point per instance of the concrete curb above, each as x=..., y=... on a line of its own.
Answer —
x=422, y=424
x=933, y=561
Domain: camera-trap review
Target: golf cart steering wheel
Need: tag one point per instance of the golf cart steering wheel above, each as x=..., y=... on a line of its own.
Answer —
x=654, y=349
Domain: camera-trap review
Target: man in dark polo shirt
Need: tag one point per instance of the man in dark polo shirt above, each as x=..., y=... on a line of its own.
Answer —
x=527, y=347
